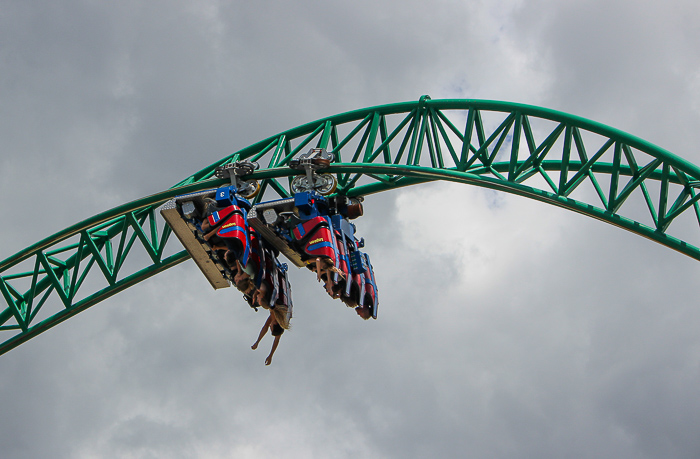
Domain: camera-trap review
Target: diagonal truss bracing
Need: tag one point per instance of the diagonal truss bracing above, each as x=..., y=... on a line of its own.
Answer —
x=534, y=152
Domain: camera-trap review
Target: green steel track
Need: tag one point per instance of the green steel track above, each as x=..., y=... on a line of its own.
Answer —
x=530, y=151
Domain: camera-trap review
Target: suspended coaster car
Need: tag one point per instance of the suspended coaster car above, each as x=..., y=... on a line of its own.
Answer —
x=223, y=233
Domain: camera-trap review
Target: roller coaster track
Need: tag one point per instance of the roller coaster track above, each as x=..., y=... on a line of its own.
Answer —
x=530, y=151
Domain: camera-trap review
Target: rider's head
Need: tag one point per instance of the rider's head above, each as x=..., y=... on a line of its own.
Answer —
x=244, y=284
x=262, y=296
x=364, y=311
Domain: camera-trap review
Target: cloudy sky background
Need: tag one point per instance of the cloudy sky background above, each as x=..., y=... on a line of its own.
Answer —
x=523, y=330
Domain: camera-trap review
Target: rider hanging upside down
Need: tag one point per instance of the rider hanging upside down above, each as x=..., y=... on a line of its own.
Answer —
x=280, y=309
x=329, y=274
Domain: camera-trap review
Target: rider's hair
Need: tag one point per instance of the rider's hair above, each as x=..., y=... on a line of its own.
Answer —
x=280, y=313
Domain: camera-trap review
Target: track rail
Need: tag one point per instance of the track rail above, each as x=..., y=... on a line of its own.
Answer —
x=530, y=151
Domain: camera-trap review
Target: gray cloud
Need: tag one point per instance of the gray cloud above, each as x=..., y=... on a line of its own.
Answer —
x=517, y=330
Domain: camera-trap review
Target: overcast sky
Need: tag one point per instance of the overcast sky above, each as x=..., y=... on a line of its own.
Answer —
x=521, y=330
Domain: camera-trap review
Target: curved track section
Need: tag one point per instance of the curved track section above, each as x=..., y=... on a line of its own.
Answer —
x=534, y=152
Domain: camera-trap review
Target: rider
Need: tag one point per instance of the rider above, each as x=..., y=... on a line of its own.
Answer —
x=276, y=329
x=277, y=321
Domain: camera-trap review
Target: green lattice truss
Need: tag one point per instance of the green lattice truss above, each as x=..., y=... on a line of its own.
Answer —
x=530, y=151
